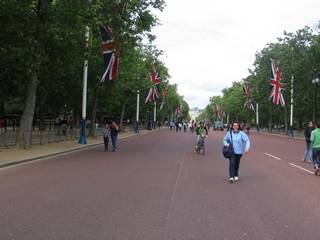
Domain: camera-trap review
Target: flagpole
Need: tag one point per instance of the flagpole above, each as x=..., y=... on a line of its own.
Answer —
x=291, y=110
x=137, y=113
x=82, y=139
x=154, y=114
x=257, y=116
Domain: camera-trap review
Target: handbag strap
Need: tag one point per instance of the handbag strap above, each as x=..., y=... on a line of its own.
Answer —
x=231, y=136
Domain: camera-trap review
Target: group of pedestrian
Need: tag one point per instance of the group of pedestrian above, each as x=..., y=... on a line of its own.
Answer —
x=111, y=130
x=312, y=150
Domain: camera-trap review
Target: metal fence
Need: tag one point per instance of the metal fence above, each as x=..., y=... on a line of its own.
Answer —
x=49, y=132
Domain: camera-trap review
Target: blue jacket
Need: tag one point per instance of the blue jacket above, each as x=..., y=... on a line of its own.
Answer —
x=240, y=141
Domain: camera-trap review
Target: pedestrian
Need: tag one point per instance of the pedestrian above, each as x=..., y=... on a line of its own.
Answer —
x=114, y=129
x=106, y=134
x=64, y=126
x=2, y=125
x=241, y=144
x=315, y=141
x=308, y=149
x=177, y=127
x=248, y=129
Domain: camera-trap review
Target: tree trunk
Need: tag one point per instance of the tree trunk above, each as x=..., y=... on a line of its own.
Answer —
x=122, y=116
x=25, y=129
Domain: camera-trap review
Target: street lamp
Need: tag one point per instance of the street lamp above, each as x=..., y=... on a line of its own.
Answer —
x=315, y=81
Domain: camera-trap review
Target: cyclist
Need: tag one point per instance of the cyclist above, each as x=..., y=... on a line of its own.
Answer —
x=201, y=131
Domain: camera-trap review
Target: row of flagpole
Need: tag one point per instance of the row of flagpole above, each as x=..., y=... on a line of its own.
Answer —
x=110, y=52
x=275, y=94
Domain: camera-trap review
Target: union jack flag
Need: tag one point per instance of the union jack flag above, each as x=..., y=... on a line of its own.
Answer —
x=248, y=103
x=153, y=95
x=154, y=78
x=277, y=87
x=179, y=111
x=246, y=92
x=218, y=111
x=110, y=55
x=154, y=91
x=165, y=93
x=245, y=88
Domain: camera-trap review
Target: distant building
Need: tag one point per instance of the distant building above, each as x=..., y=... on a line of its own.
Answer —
x=195, y=112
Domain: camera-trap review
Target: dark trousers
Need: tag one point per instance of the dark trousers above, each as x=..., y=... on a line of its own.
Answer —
x=114, y=140
x=234, y=163
x=316, y=157
x=106, y=143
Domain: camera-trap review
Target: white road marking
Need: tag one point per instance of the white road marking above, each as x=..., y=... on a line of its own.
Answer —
x=301, y=168
x=270, y=155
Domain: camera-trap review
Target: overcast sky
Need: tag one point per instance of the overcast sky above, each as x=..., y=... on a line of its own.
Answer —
x=208, y=44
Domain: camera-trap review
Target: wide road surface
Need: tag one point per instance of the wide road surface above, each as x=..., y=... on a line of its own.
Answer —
x=157, y=188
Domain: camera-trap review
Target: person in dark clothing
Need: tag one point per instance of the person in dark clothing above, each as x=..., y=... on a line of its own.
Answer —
x=308, y=149
x=106, y=134
x=114, y=129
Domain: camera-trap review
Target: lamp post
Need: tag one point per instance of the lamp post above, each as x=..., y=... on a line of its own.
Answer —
x=315, y=81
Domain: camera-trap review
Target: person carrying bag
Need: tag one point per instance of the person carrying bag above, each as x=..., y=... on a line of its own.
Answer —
x=236, y=143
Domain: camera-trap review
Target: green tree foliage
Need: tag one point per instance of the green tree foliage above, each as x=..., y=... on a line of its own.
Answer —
x=42, y=54
x=297, y=55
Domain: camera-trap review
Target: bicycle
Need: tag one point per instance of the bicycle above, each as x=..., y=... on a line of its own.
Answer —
x=200, y=147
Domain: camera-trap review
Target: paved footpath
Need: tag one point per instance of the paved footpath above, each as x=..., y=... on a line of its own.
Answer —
x=157, y=188
x=13, y=155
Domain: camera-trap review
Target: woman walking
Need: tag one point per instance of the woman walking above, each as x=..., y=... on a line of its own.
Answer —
x=106, y=134
x=241, y=144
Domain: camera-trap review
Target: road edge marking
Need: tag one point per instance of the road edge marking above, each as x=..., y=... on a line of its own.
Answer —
x=301, y=168
x=270, y=155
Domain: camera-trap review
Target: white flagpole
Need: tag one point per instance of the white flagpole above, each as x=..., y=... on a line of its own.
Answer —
x=82, y=139
x=257, y=116
x=155, y=112
x=137, y=113
x=291, y=110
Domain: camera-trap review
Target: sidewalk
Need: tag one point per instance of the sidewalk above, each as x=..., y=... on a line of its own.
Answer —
x=13, y=155
x=297, y=135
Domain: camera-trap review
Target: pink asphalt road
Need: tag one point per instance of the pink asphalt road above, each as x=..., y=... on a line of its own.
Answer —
x=157, y=188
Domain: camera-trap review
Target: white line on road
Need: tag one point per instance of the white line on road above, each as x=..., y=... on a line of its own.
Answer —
x=301, y=168
x=270, y=155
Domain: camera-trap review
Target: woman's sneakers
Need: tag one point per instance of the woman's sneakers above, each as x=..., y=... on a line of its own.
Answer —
x=233, y=180
x=317, y=171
